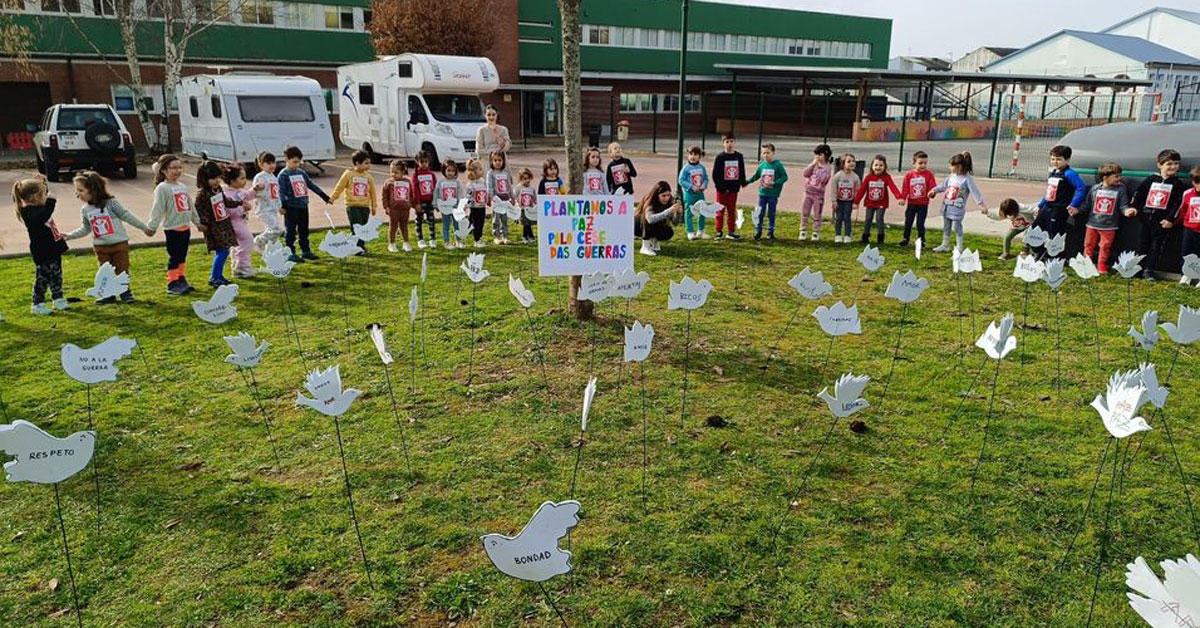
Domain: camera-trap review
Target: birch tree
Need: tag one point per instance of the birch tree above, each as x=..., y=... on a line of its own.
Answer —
x=573, y=124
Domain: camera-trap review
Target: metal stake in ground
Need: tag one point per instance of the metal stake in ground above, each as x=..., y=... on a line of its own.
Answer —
x=350, y=501
x=95, y=457
x=67, y=552
x=376, y=333
x=252, y=386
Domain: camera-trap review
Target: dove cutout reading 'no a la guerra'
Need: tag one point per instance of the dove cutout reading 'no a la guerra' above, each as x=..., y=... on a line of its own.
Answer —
x=1129, y=264
x=219, y=308
x=628, y=284
x=810, y=285
x=1053, y=273
x=1084, y=267
x=838, y=320
x=41, y=458
x=376, y=332
x=369, y=231
x=1119, y=405
x=98, y=364
x=534, y=555
x=998, y=340
x=473, y=267
x=1187, y=330
x=1147, y=336
x=276, y=257
x=1028, y=269
x=1035, y=237
x=847, y=395
x=638, y=341
x=871, y=258
x=1173, y=602
x=340, y=244
x=523, y=295
x=247, y=352
x=906, y=288
x=595, y=287
x=108, y=283
x=328, y=398
x=688, y=294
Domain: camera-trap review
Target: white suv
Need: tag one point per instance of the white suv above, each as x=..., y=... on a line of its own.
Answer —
x=75, y=137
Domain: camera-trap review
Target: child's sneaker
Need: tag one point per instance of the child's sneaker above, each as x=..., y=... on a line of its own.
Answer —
x=127, y=297
x=647, y=248
x=244, y=273
x=904, y=242
x=61, y=304
x=691, y=236
x=111, y=300
x=816, y=236
x=803, y=235
x=40, y=309
x=735, y=236
x=433, y=244
x=941, y=248
x=295, y=259
x=420, y=243
x=175, y=288
x=392, y=247
x=703, y=235
x=1184, y=281
x=309, y=255
x=719, y=236
x=407, y=248
x=656, y=245
x=479, y=244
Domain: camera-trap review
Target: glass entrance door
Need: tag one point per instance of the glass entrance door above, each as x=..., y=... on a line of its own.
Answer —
x=552, y=102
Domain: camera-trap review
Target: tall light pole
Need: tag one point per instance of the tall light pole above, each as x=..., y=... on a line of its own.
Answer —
x=683, y=45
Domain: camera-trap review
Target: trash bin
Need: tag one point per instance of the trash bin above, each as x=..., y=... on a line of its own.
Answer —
x=594, y=136
x=623, y=131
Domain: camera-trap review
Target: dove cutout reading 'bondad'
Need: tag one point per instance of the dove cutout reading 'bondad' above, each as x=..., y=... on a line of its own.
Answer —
x=247, y=351
x=534, y=555
x=41, y=458
x=97, y=364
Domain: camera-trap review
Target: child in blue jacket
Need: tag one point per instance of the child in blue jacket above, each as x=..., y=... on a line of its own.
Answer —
x=294, y=186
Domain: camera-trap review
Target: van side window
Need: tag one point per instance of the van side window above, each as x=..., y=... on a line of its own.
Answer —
x=366, y=94
x=194, y=106
x=416, y=111
x=404, y=69
x=216, y=106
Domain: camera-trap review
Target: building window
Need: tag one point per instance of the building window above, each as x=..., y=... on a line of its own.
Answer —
x=338, y=18
x=103, y=8
x=633, y=37
x=212, y=10
x=61, y=6
x=297, y=15
x=366, y=94
x=258, y=12
x=598, y=35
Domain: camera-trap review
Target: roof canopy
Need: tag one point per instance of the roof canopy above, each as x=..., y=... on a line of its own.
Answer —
x=849, y=77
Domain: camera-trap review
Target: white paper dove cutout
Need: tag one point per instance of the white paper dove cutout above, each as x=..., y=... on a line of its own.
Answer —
x=376, y=332
x=1084, y=267
x=414, y=304
x=810, y=285
x=595, y=287
x=340, y=244
x=1172, y=603
x=688, y=294
x=998, y=340
x=966, y=261
x=1035, y=237
x=523, y=295
x=219, y=308
x=98, y=364
x=906, y=288
x=328, y=398
x=838, y=320
x=1191, y=266
x=1119, y=405
x=275, y=256
x=871, y=258
x=1028, y=269
x=706, y=209
x=247, y=352
x=460, y=210
x=1129, y=264
x=505, y=208
x=530, y=213
x=424, y=266
x=1056, y=245
x=1053, y=273
x=534, y=555
x=473, y=267
x=1155, y=392
x=638, y=341
x=462, y=228
x=920, y=244
x=108, y=283
x=588, y=394
x=628, y=284
x=1148, y=336
x=1187, y=330
x=41, y=458
x=741, y=219
x=368, y=231
x=847, y=395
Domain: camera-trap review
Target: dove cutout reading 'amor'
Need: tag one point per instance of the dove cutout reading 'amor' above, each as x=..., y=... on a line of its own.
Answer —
x=328, y=398
x=340, y=244
x=376, y=332
x=247, y=352
x=688, y=294
x=706, y=209
x=1053, y=273
x=1084, y=267
x=1035, y=237
x=1173, y=602
x=1129, y=264
x=534, y=555
x=523, y=295
x=1119, y=405
x=998, y=340
x=638, y=341
x=219, y=308
x=97, y=364
x=1056, y=245
x=1187, y=330
x=595, y=287
x=810, y=285
x=838, y=320
x=1028, y=269
x=1147, y=336
x=1191, y=267
x=628, y=284
x=473, y=267
x=276, y=259
x=41, y=458
x=108, y=283
x=906, y=288
x=966, y=261
x=871, y=258
x=847, y=395
x=1155, y=392
x=588, y=394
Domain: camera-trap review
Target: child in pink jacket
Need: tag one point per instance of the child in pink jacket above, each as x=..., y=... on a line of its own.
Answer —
x=816, y=178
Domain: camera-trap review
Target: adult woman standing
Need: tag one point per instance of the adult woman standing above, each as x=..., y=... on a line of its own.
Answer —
x=491, y=137
x=652, y=221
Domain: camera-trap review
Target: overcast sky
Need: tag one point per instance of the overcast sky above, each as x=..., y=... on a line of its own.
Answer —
x=935, y=28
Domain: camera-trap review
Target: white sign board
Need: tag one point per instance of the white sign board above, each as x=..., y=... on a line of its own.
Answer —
x=580, y=235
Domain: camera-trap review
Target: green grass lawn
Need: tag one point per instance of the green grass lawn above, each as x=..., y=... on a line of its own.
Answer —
x=199, y=530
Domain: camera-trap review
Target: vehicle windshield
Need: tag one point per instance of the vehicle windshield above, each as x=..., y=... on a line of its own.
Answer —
x=275, y=108
x=455, y=107
x=79, y=119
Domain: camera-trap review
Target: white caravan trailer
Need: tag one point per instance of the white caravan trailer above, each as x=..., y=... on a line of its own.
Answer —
x=400, y=105
x=233, y=117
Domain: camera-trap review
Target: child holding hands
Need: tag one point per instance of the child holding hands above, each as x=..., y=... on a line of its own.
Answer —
x=398, y=202
x=1105, y=203
x=174, y=210
x=447, y=192
x=219, y=235
x=845, y=187
x=104, y=218
x=957, y=187
x=873, y=194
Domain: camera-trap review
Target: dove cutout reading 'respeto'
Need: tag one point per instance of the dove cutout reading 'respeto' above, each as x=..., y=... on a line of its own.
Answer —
x=1147, y=336
x=98, y=364
x=595, y=287
x=1119, y=405
x=328, y=398
x=1028, y=269
x=998, y=340
x=688, y=294
x=1173, y=602
x=1035, y=237
x=340, y=244
x=219, y=308
x=473, y=267
x=41, y=458
x=1155, y=393
x=108, y=283
x=1187, y=330
x=810, y=285
x=1084, y=267
x=966, y=261
x=523, y=295
x=376, y=332
x=706, y=209
x=838, y=320
x=247, y=352
x=276, y=257
x=1191, y=266
x=906, y=288
x=1056, y=245
x=534, y=555
x=588, y=393
x=638, y=341
x=871, y=258
x=368, y=231
x=1129, y=264
x=1053, y=273
x=628, y=284
x=847, y=395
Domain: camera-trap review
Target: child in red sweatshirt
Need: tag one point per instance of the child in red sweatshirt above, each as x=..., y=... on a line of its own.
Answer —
x=424, y=181
x=914, y=195
x=873, y=194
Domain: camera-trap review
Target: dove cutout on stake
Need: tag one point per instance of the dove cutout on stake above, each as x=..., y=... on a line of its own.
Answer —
x=41, y=458
x=906, y=288
x=917, y=248
x=462, y=228
x=276, y=259
x=1056, y=245
x=98, y=364
x=595, y=287
x=534, y=555
x=460, y=210
x=1155, y=393
x=1052, y=273
x=1191, y=267
x=628, y=284
x=838, y=320
x=368, y=231
x=810, y=285
x=688, y=294
x=247, y=353
x=1084, y=267
x=638, y=341
x=706, y=209
x=1172, y=603
x=219, y=308
x=1035, y=237
x=847, y=395
x=998, y=340
x=505, y=208
x=1129, y=264
x=1187, y=330
x=376, y=332
x=414, y=304
x=1028, y=269
x=424, y=266
x=108, y=283
x=328, y=398
x=340, y=244
x=1148, y=337
x=518, y=290
x=1120, y=403
x=588, y=393
x=473, y=267
x=966, y=261
x=871, y=258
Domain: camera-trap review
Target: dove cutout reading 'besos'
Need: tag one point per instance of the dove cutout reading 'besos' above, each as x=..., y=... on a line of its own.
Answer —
x=1129, y=264
x=523, y=295
x=588, y=394
x=41, y=458
x=108, y=283
x=906, y=288
x=1056, y=245
x=871, y=258
x=1173, y=602
x=838, y=320
x=810, y=285
x=688, y=294
x=219, y=308
x=628, y=284
x=1053, y=273
x=1028, y=269
x=1155, y=392
x=97, y=364
x=595, y=287
x=247, y=352
x=473, y=267
x=369, y=231
x=638, y=341
x=328, y=398
x=998, y=340
x=847, y=395
x=276, y=257
x=966, y=261
x=1147, y=336
x=1084, y=267
x=706, y=209
x=1035, y=237
x=376, y=332
x=340, y=244
x=1191, y=267
x=1187, y=330
x=1119, y=405
x=534, y=555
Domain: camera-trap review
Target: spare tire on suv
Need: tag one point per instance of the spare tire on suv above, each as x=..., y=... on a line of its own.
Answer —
x=102, y=137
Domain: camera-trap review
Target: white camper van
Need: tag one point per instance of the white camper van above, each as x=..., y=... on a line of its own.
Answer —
x=400, y=105
x=233, y=117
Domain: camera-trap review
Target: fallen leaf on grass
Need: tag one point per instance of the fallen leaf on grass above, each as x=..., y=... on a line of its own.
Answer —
x=60, y=613
x=52, y=585
x=719, y=371
x=170, y=525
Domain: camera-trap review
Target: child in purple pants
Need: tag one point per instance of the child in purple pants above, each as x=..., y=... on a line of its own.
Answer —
x=816, y=178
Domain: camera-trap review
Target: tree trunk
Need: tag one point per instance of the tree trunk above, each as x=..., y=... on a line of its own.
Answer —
x=573, y=125
x=172, y=71
x=128, y=27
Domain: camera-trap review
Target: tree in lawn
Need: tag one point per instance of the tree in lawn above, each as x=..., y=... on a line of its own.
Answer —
x=573, y=124
x=463, y=27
